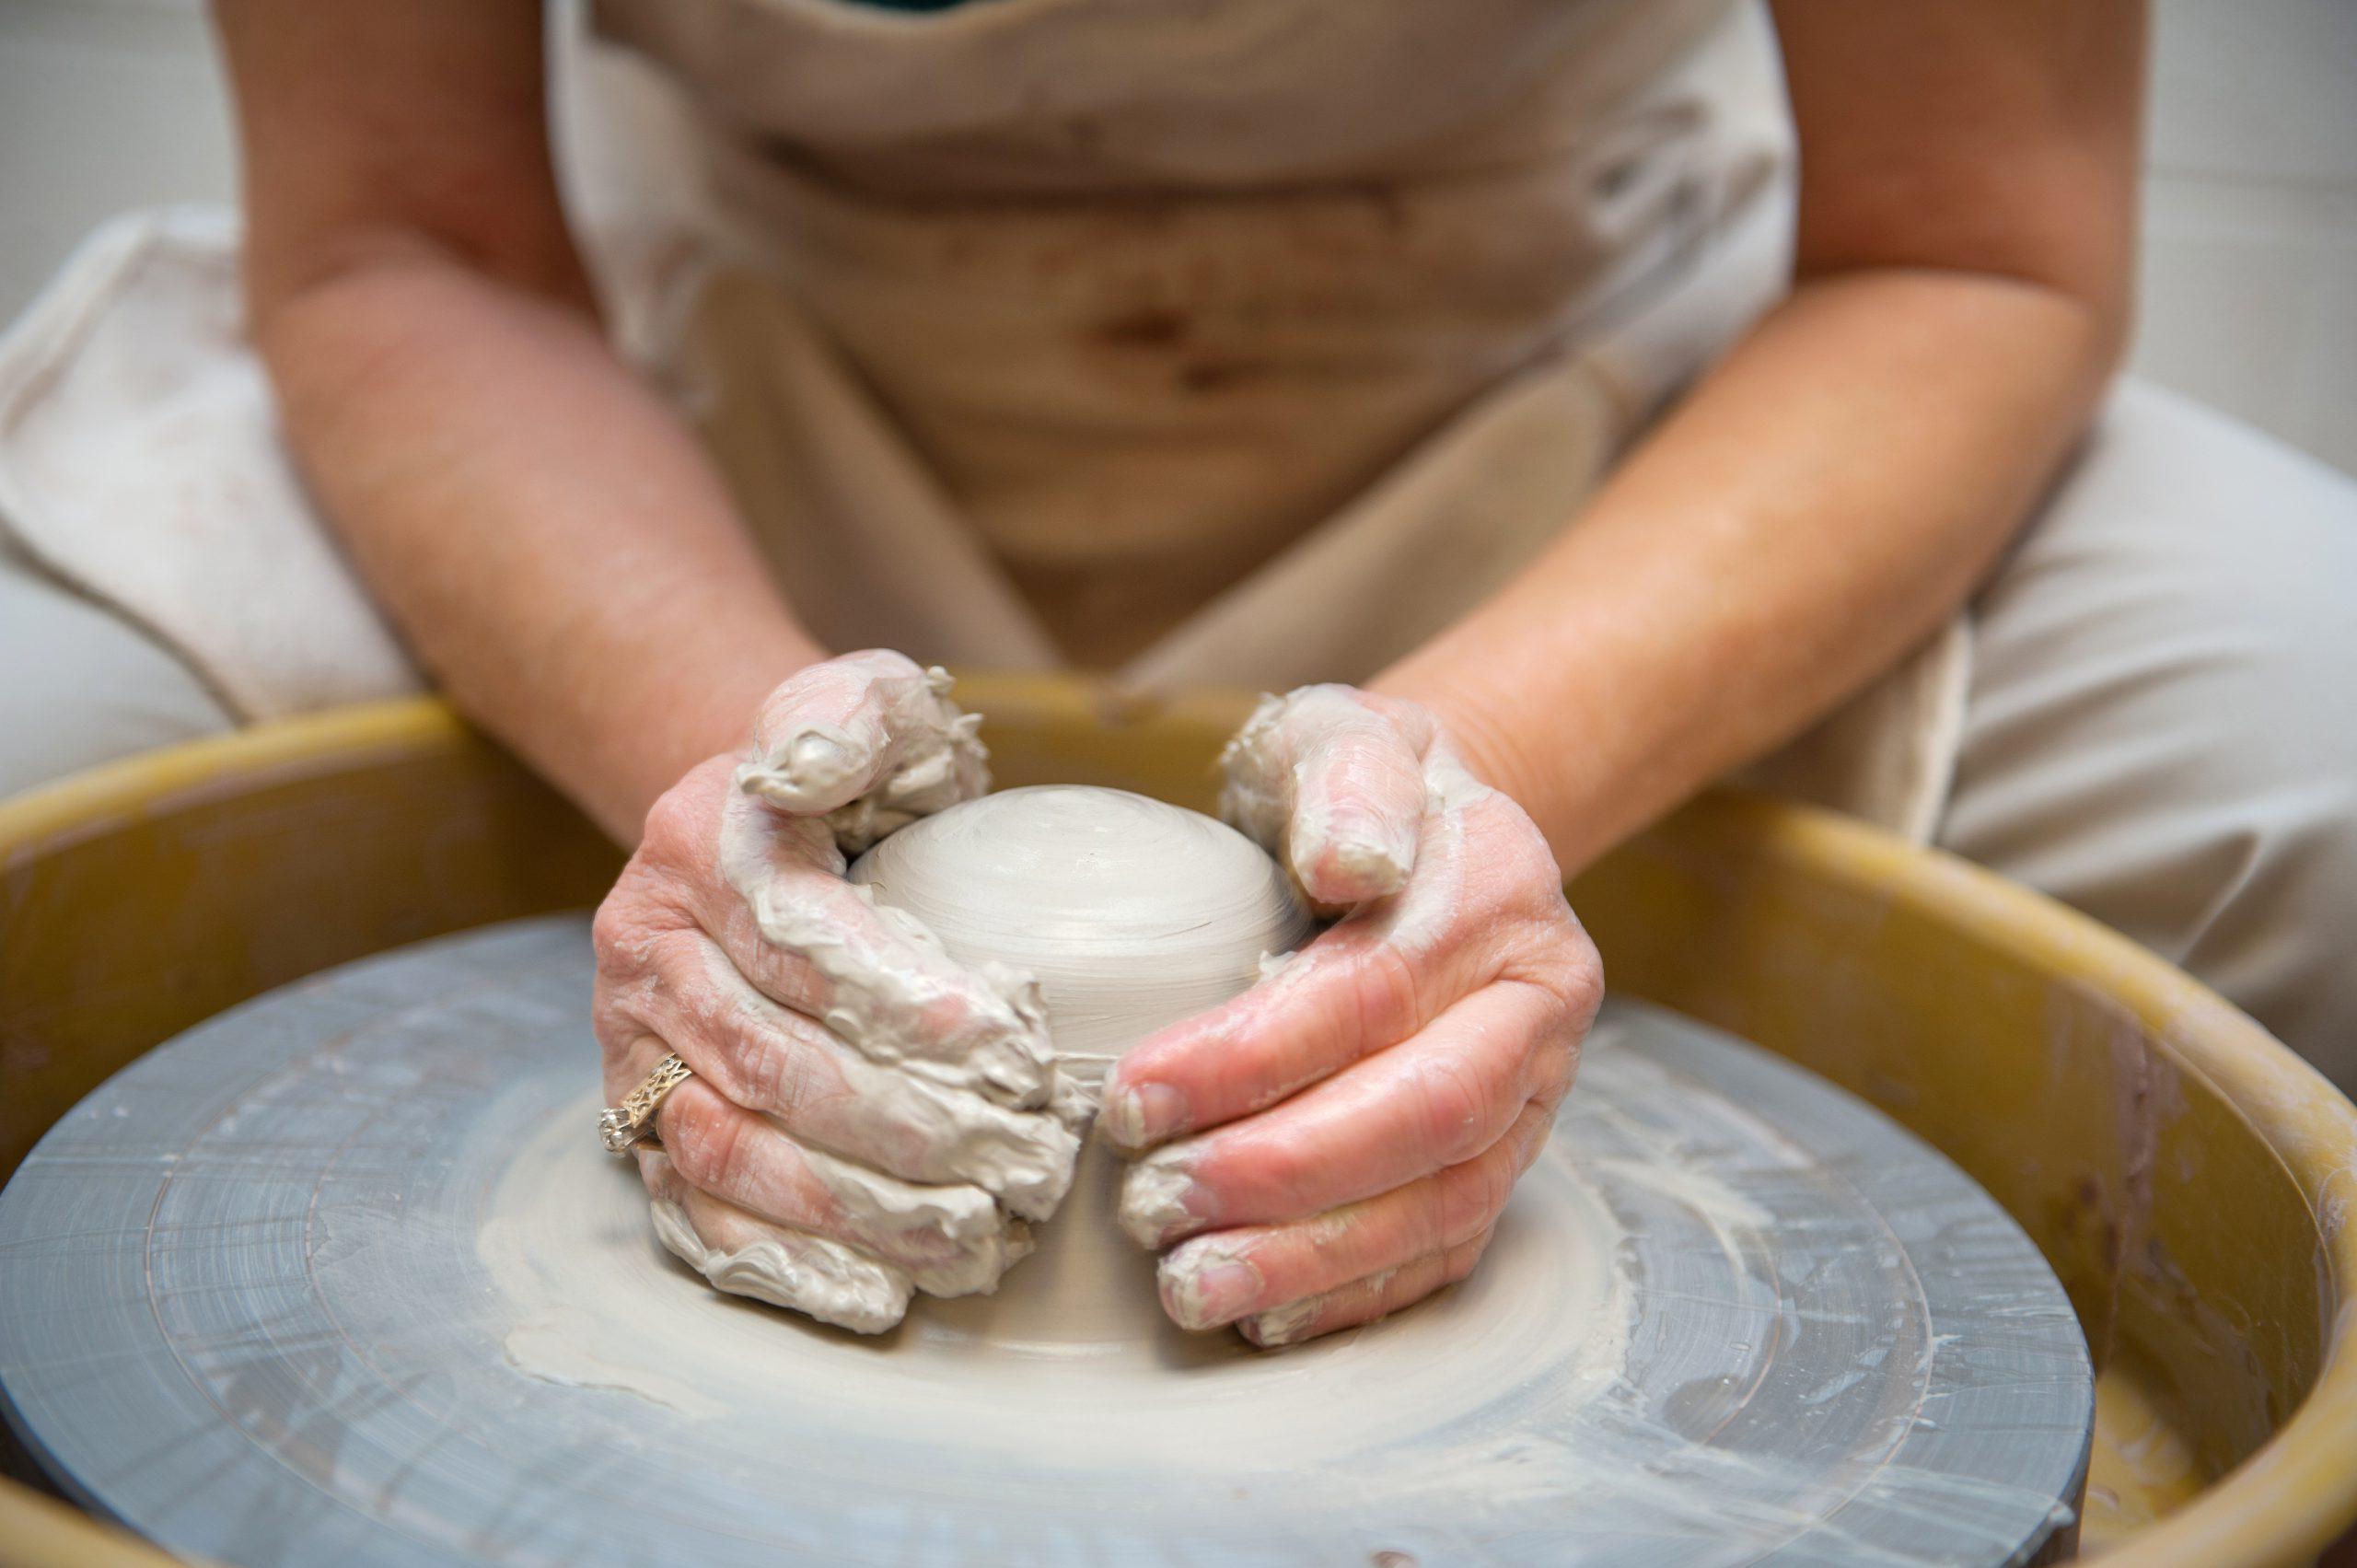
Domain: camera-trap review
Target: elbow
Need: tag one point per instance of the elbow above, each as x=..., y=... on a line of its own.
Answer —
x=340, y=319
x=2113, y=332
x=332, y=309
x=2101, y=331
x=282, y=274
x=2060, y=241
x=2098, y=281
x=2078, y=324
x=2106, y=307
x=286, y=273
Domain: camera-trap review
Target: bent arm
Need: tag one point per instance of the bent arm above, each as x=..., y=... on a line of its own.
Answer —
x=1837, y=486
x=546, y=534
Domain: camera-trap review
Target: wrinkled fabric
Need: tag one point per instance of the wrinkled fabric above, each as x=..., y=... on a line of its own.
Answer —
x=2157, y=728
x=1024, y=343
x=2162, y=724
x=81, y=685
x=1162, y=304
x=140, y=465
x=1265, y=384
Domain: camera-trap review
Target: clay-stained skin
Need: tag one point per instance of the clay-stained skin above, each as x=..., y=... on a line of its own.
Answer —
x=1023, y=942
x=894, y=994
x=895, y=1238
x=933, y=758
x=1352, y=1127
x=926, y=1130
x=1336, y=802
x=868, y=1117
x=829, y=1282
x=1153, y=1194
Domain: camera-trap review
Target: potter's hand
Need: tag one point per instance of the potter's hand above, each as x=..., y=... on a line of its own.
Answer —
x=866, y=1116
x=1336, y=1141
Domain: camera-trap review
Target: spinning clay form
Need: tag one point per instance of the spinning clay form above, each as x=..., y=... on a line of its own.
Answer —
x=1131, y=914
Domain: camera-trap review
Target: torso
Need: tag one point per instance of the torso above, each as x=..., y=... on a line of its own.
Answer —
x=1155, y=286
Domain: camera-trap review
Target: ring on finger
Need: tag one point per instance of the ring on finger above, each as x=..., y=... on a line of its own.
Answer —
x=631, y=1125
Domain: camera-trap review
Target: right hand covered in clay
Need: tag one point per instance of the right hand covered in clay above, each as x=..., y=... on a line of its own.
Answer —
x=867, y=1117
x=1338, y=1141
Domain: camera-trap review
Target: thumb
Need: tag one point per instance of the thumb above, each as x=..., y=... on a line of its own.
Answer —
x=1334, y=785
x=836, y=731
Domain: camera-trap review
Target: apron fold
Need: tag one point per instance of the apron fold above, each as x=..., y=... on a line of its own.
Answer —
x=140, y=462
x=1330, y=314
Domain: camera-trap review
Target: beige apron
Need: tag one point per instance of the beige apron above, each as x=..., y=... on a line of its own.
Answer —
x=1240, y=341
x=1248, y=339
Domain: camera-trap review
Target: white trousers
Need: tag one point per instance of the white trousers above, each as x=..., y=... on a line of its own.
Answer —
x=2161, y=727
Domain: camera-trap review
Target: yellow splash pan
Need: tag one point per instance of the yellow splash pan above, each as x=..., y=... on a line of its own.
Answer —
x=2193, y=1183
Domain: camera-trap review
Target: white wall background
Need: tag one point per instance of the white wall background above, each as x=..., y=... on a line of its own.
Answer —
x=2250, y=265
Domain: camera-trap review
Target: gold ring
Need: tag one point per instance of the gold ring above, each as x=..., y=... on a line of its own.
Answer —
x=631, y=1125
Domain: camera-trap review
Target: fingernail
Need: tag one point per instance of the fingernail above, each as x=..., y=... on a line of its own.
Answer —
x=1134, y=1117
x=815, y=758
x=1347, y=863
x=1281, y=1325
x=1157, y=1199
x=1205, y=1287
x=1378, y=853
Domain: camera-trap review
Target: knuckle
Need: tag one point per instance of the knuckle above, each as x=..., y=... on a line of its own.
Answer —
x=1459, y=1260
x=1452, y=1108
x=702, y=1138
x=1386, y=995
x=1491, y=1186
x=1533, y=1141
x=1433, y=1215
x=772, y=1067
x=761, y=1078
x=615, y=1035
x=1584, y=984
x=967, y=1011
x=1563, y=964
x=617, y=935
x=1477, y=1191
x=1556, y=1064
x=1286, y=1171
x=674, y=823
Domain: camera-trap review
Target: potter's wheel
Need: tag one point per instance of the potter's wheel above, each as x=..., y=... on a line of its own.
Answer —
x=343, y=1276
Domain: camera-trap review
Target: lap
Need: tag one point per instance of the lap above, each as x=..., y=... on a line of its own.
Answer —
x=80, y=685
x=2162, y=729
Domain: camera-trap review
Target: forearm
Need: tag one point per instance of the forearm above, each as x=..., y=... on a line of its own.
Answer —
x=1820, y=503
x=549, y=538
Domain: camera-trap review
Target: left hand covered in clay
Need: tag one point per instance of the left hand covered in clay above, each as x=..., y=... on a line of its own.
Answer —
x=1336, y=1141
